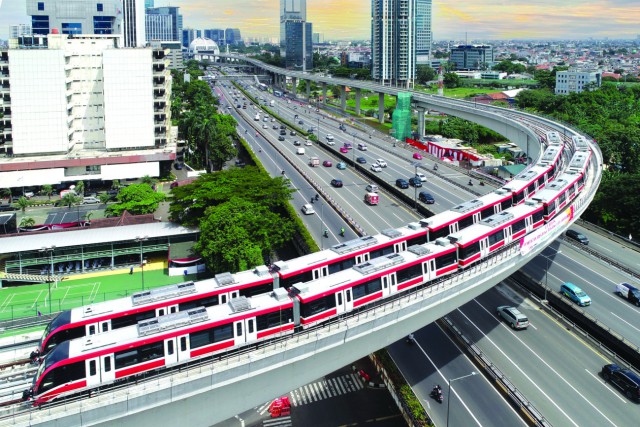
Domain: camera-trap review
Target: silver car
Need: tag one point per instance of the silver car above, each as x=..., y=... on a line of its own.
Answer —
x=513, y=317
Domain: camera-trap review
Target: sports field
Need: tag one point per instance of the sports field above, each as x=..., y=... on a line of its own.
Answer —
x=32, y=300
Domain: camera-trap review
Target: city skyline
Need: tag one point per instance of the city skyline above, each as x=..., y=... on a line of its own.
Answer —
x=351, y=19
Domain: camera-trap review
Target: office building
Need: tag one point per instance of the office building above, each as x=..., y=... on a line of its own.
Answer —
x=290, y=10
x=19, y=30
x=133, y=23
x=393, y=42
x=176, y=22
x=424, y=35
x=78, y=17
x=148, y=4
x=159, y=27
x=189, y=35
x=232, y=36
x=472, y=57
x=574, y=81
x=174, y=53
x=100, y=113
x=315, y=38
x=215, y=35
x=299, y=48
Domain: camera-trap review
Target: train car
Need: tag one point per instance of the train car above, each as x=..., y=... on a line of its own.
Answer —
x=579, y=163
x=553, y=138
x=84, y=363
x=104, y=316
x=580, y=143
x=479, y=240
x=560, y=193
x=466, y=214
x=371, y=281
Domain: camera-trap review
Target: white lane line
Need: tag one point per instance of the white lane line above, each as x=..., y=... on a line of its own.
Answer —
x=628, y=324
x=614, y=392
x=541, y=360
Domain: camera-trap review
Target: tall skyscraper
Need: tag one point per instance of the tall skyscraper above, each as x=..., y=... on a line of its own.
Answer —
x=393, y=42
x=424, y=35
x=294, y=33
x=159, y=27
x=189, y=35
x=232, y=36
x=176, y=19
x=471, y=57
x=215, y=35
x=78, y=17
x=133, y=23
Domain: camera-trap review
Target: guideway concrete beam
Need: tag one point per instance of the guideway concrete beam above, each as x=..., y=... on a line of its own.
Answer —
x=381, y=107
x=343, y=97
x=358, y=95
x=421, y=112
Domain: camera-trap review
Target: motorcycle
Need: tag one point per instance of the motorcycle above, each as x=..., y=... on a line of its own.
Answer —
x=342, y=232
x=436, y=393
x=482, y=183
x=470, y=183
x=326, y=233
x=435, y=167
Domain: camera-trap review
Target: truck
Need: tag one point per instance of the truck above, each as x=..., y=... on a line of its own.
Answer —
x=371, y=198
x=628, y=292
x=314, y=161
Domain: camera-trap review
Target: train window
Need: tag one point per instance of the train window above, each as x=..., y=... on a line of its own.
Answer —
x=170, y=347
x=581, y=181
x=541, y=180
x=138, y=355
x=318, y=306
x=551, y=172
x=531, y=188
x=336, y=267
x=172, y=309
x=273, y=319
x=105, y=326
x=537, y=216
x=385, y=282
x=506, y=204
x=339, y=295
x=409, y=273
x=183, y=344
x=487, y=212
x=92, y=330
x=465, y=222
x=62, y=375
x=496, y=237
x=381, y=252
x=517, y=226
x=132, y=319
x=469, y=250
x=296, y=278
x=348, y=295
x=367, y=288
x=202, y=302
x=252, y=291
x=446, y=259
x=250, y=326
x=223, y=299
x=161, y=312
x=92, y=368
x=420, y=240
x=107, y=364
x=518, y=197
x=211, y=336
x=562, y=198
x=238, y=329
x=436, y=234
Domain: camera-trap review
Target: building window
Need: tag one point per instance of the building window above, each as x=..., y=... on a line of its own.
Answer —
x=99, y=7
x=40, y=5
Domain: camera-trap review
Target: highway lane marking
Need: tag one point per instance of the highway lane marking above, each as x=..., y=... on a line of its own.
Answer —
x=624, y=321
x=615, y=393
x=541, y=360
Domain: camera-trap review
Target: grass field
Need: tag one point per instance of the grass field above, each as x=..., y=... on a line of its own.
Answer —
x=28, y=300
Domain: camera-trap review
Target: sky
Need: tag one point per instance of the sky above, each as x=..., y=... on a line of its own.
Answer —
x=351, y=19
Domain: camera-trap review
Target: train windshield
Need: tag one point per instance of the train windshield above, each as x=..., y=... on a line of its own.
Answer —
x=61, y=319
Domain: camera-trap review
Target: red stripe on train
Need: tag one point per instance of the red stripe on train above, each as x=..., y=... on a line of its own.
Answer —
x=156, y=363
x=211, y=348
x=283, y=328
x=367, y=299
x=317, y=317
x=52, y=394
x=410, y=283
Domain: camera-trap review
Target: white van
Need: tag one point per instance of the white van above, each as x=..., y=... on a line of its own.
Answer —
x=362, y=146
x=300, y=151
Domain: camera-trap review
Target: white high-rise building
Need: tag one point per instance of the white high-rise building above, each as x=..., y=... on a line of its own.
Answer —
x=393, y=42
x=74, y=99
x=576, y=81
x=19, y=30
x=75, y=17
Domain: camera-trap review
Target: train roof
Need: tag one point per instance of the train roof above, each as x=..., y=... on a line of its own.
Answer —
x=550, y=155
x=553, y=137
x=580, y=143
x=177, y=323
x=524, y=179
x=580, y=161
x=370, y=269
x=556, y=187
x=465, y=209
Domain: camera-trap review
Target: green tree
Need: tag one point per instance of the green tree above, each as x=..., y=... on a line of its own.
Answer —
x=545, y=78
x=69, y=199
x=23, y=203
x=236, y=235
x=47, y=189
x=137, y=199
x=104, y=198
x=27, y=222
x=451, y=80
x=5, y=193
x=148, y=180
x=115, y=184
x=615, y=206
x=79, y=188
x=425, y=73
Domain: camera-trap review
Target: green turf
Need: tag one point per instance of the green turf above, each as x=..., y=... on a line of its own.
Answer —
x=26, y=301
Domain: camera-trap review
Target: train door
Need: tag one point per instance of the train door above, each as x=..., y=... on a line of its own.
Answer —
x=234, y=294
x=389, y=285
x=429, y=270
x=172, y=309
x=182, y=344
x=484, y=247
x=320, y=272
x=108, y=370
x=170, y=351
x=362, y=258
x=453, y=227
x=507, y=235
x=92, y=329
x=105, y=326
x=223, y=299
x=344, y=301
x=400, y=247
x=244, y=331
x=161, y=311
x=92, y=369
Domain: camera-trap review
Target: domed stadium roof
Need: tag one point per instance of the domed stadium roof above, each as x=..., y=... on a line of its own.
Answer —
x=202, y=44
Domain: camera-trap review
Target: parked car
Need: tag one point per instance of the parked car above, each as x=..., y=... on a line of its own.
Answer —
x=421, y=176
x=576, y=235
x=624, y=379
x=414, y=181
x=341, y=166
x=178, y=166
x=382, y=163
x=426, y=198
x=90, y=200
x=361, y=160
x=336, y=182
x=575, y=294
x=7, y=208
x=376, y=167
x=327, y=163
x=308, y=209
x=417, y=156
x=402, y=183
x=513, y=316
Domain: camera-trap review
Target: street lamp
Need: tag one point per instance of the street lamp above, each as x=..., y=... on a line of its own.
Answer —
x=49, y=249
x=449, y=392
x=546, y=273
x=140, y=240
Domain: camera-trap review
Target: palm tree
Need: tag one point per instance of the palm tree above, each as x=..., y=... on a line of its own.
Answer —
x=48, y=190
x=104, y=198
x=79, y=188
x=5, y=193
x=115, y=184
x=148, y=180
x=69, y=199
x=27, y=222
x=23, y=203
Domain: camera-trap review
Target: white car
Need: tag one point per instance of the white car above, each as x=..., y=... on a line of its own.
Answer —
x=376, y=167
x=308, y=143
x=382, y=163
x=308, y=209
x=421, y=177
x=265, y=127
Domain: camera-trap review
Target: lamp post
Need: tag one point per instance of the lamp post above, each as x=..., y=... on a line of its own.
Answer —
x=321, y=225
x=546, y=273
x=449, y=382
x=140, y=240
x=49, y=249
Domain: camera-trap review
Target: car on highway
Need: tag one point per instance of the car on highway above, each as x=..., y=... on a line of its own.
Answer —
x=361, y=160
x=376, y=167
x=336, y=182
x=264, y=126
x=292, y=133
x=275, y=127
x=283, y=132
x=297, y=143
x=307, y=209
x=327, y=163
x=300, y=122
x=513, y=317
x=625, y=380
x=281, y=138
x=371, y=188
x=576, y=235
x=417, y=156
x=426, y=198
x=402, y=183
x=381, y=163
x=414, y=181
x=341, y=166
x=421, y=176
x=575, y=294
x=308, y=143
x=348, y=146
x=344, y=150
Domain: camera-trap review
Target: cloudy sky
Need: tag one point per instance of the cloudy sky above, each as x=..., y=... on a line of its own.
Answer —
x=350, y=19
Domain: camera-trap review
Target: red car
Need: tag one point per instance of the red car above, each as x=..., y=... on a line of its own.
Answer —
x=344, y=150
x=327, y=163
x=417, y=156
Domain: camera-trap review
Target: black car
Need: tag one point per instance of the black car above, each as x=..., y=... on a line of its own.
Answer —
x=627, y=381
x=402, y=183
x=310, y=130
x=297, y=143
x=336, y=182
x=426, y=198
x=283, y=132
x=283, y=127
x=11, y=208
x=178, y=166
x=415, y=181
x=576, y=235
x=292, y=133
x=300, y=122
x=361, y=160
x=281, y=138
